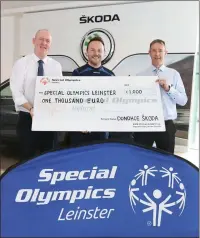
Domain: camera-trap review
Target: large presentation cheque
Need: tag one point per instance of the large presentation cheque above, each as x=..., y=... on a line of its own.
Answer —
x=98, y=104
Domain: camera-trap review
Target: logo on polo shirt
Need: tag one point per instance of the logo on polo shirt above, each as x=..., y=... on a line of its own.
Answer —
x=167, y=197
x=108, y=41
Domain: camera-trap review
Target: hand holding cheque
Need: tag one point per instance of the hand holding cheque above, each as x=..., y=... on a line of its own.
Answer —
x=98, y=104
x=163, y=84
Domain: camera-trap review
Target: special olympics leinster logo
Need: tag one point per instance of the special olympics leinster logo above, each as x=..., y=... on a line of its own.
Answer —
x=167, y=195
x=44, y=81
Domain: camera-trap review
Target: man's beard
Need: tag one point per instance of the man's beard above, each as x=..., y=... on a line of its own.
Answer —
x=95, y=61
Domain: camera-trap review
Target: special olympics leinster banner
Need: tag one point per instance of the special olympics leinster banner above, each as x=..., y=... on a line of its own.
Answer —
x=108, y=189
x=98, y=104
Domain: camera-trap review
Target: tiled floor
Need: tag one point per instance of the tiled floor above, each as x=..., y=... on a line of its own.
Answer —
x=190, y=155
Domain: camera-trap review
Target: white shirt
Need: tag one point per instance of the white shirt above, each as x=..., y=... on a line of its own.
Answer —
x=176, y=94
x=24, y=75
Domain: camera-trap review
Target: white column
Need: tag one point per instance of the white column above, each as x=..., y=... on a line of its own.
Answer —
x=193, y=139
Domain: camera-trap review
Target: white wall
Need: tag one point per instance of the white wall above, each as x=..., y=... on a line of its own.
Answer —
x=10, y=28
x=10, y=36
x=7, y=46
x=173, y=21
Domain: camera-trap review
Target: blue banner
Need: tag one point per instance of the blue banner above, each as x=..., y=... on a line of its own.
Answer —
x=102, y=190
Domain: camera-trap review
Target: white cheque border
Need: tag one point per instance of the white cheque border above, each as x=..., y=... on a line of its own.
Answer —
x=98, y=104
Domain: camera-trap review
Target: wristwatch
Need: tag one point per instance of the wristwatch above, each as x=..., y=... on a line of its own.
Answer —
x=170, y=85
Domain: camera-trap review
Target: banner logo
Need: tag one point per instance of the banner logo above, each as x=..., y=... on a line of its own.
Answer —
x=44, y=197
x=170, y=198
x=107, y=38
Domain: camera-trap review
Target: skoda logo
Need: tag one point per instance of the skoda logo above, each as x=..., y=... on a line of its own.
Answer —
x=107, y=38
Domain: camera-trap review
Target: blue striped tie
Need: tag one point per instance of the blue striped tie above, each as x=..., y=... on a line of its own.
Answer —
x=157, y=71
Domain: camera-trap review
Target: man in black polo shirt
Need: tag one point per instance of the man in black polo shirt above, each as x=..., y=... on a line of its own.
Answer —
x=95, y=53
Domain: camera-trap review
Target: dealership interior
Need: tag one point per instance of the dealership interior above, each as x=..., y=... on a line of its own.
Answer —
x=99, y=119
x=187, y=138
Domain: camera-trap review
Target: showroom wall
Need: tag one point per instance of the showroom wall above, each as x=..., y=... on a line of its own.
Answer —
x=138, y=24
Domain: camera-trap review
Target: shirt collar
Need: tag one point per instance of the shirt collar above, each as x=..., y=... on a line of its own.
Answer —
x=94, y=67
x=36, y=58
x=162, y=68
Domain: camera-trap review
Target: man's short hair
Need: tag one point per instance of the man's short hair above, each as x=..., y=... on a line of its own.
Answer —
x=157, y=41
x=96, y=38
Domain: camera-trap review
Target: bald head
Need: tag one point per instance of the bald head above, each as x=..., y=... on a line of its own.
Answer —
x=42, y=42
x=41, y=30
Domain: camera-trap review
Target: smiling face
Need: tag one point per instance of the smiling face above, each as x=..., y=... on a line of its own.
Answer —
x=157, y=53
x=42, y=43
x=95, y=53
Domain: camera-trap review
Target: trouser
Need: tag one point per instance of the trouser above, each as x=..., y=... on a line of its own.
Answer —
x=78, y=138
x=164, y=140
x=32, y=141
x=121, y=135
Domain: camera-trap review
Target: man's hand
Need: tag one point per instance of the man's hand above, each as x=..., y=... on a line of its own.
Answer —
x=32, y=112
x=163, y=84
